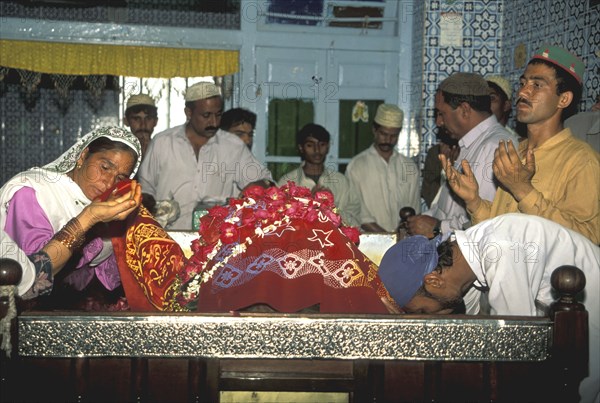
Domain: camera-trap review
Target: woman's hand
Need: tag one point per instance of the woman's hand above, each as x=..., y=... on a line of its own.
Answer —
x=115, y=208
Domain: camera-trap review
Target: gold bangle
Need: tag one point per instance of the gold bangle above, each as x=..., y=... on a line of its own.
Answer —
x=71, y=235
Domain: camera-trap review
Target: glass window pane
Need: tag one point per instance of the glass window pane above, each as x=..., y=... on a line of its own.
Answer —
x=286, y=117
x=168, y=93
x=355, y=136
x=365, y=13
x=309, y=8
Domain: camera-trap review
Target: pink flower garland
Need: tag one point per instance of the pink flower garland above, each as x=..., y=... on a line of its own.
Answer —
x=258, y=212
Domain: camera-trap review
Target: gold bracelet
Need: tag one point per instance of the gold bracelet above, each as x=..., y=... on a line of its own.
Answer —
x=71, y=235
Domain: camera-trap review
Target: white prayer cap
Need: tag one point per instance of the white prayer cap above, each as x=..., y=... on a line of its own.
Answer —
x=389, y=115
x=201, y=90
x=502, y=83
x=140, y=99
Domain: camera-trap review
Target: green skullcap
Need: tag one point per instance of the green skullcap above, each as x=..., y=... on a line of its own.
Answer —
x=563, y=59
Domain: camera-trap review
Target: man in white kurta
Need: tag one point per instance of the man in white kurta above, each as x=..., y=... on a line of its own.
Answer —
x=462, y=105
x=514, y=255
x=197, y=162
x=384, y=179
x=478, y=147
x=171, y=170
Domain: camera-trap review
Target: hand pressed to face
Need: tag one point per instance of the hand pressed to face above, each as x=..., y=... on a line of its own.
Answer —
x=115, y=208
x=508, y=169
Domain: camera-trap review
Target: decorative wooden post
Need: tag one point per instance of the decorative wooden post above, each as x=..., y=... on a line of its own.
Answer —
x=571, y=334
x=10, y=275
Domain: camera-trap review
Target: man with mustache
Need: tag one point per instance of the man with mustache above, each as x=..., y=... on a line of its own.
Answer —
x=553, y=174
x=313, y=142
x=463, y=110
x=141, y=117
x=384, y=179
x=196, y=161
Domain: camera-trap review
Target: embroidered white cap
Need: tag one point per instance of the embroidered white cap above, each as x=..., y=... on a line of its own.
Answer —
x=389, y=115
x=140, y=99
x=201, y=90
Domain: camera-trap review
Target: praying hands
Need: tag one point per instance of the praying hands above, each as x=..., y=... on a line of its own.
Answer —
x=512, y=174
x=508, y=169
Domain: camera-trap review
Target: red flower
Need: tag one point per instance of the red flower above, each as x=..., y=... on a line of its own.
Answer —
x=298, y=191
x=248, y=216
x=311, y=215
x=325, y=197
x=209, y=229
x=277, y=207
x=219, y=211
x=333, y=217
x=235, y=202
x=295, y=209
x=261, y=214
x=195, y=246
x=229, y=233
x=255, y=192
x=274, y=193
x=352, y=233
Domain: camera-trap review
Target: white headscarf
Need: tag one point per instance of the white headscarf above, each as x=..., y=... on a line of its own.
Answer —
x=66, y=162
x=52, y=184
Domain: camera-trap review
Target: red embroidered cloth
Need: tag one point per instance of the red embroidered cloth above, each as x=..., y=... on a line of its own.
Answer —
x=248, y=255
x=295, y=267
x=149, y=261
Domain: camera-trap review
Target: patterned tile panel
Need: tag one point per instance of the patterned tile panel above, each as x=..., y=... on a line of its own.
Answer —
x=479, y=52
x=36, y=135
x=491, y=31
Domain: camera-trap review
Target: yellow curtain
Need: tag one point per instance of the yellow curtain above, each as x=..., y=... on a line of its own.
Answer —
x=118, y=60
